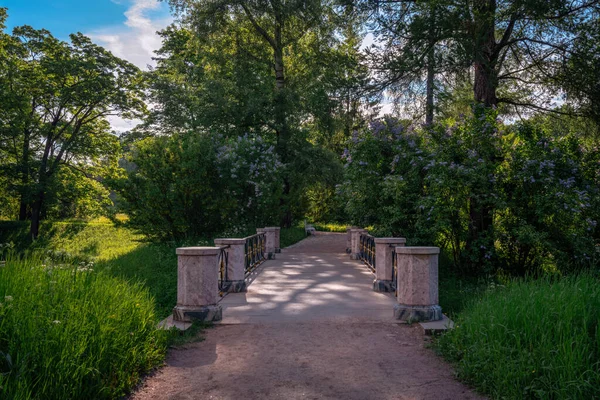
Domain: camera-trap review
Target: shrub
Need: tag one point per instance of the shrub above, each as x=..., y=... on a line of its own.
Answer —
x=68, y=332
x=531, y=339
x=518, y=199
x=196, y=185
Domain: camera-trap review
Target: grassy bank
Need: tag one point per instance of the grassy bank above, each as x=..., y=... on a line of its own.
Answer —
x=118, y=251
x=531, y=339
x=98, y=239
x=78, y=314
x=71, y=332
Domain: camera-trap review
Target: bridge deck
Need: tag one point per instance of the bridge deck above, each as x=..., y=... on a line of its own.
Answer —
x=312, y=280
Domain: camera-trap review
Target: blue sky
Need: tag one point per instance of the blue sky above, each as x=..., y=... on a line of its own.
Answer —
x=62, y=17
x=125, y=27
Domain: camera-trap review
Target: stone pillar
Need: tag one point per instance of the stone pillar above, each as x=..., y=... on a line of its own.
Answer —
x=197, y=284
x=384, y=248
x=349, y=238
x=355, y=245
x=417, y=284
x=272, y=244
x=236, y=264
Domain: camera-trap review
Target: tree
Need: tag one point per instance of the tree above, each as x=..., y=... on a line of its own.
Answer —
x=579, y=74
x=278, y=29
x=57, y=96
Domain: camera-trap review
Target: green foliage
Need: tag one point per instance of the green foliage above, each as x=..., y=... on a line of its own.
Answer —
x=383, y=179
x=195, y=185
x=531, y=339
x=330, y=227
x=96, y=240
x=289, y=236
x=55, y=140
x=519, y=199
x=67, y=331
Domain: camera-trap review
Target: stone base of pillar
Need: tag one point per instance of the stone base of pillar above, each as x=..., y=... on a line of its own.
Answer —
x=417, y=313
x=355, y=256
x=235, y=286
x=270, y=256
x=203, y=313
x=383, y=286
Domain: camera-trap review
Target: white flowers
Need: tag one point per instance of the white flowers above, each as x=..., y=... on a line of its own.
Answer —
x=8, y=298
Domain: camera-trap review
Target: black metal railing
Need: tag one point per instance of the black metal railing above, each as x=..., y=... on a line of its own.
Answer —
x=223, y=276
x=255, y=251
x=367, y=250
x=394, y=271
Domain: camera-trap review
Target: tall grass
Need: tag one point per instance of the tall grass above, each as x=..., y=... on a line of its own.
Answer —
x=531, y=339
x=69, y=332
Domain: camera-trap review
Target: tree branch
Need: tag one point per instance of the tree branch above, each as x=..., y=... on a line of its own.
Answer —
x=258, y=28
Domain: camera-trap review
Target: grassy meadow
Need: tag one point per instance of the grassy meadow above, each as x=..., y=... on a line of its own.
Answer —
x=79, y=308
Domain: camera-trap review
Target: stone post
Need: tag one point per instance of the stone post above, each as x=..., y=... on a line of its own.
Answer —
x=272, y=244
x=236, y=264
x=355, y=245
x=349, y=238
x=197, y=284
x=384, y=248
x=417, y=284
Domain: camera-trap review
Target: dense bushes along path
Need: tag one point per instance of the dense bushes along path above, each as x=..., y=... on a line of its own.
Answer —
x=309, y=327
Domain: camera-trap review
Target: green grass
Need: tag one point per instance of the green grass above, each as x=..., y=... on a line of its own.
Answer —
x=119, y=252
x=330, y=227
x=456, y=292
x=289, y=236
x=531, y=339
x=70, y=332
x=98, y=239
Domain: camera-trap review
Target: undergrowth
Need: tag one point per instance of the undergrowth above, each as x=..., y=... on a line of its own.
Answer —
x=71, y=332
x=531, y=339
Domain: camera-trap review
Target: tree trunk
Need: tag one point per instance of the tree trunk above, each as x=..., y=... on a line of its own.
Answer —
x=24, y=202
x=429, y=106
x=36, y=214
x=484, y=57
x=485, y=86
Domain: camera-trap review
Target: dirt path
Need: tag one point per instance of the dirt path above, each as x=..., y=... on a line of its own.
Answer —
x=300, y=333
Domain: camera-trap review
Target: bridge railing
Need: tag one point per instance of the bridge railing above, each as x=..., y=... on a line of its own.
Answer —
x=367, y=250
x=411, y=273
x=255, y=250
x=205, y=274
x=223, y=262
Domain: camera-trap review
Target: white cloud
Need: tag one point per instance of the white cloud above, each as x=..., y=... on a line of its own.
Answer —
x=135, y=40
x=119, y=124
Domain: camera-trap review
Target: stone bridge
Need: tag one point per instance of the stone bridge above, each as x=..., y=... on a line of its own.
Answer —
x=304, y=324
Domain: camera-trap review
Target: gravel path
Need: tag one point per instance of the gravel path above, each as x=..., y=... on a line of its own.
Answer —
x=300, y=333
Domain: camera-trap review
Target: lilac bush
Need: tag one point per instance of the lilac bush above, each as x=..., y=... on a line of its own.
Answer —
x=520, y=198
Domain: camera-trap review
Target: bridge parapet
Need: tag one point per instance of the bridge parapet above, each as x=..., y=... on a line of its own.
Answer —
x=409, y=272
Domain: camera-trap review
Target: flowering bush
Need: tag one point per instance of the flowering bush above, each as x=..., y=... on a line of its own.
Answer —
x=198, y=185
x=517, y=198
x=383, y=178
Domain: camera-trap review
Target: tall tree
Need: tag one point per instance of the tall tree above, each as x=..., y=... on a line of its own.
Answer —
x=57, y=98
x=283, y=35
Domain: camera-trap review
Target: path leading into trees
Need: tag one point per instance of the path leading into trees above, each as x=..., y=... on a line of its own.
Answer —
x=309, y=327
